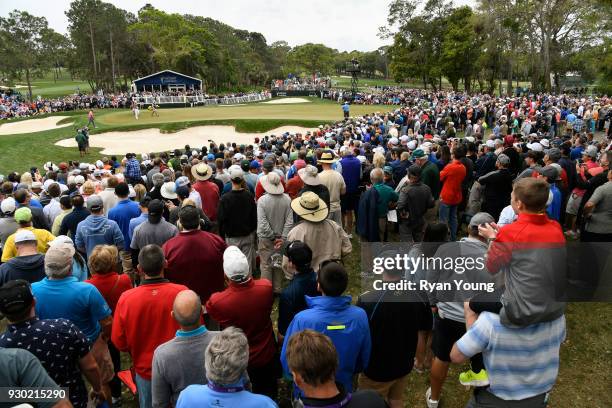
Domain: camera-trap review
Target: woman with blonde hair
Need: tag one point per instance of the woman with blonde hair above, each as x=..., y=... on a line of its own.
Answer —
x=103, y=262
x=88, y=189
x=140, y=191
x=379, y=160
x=26, y=178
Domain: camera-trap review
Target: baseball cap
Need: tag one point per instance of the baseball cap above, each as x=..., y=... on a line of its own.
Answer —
x=503, y=159
x=94, y=203
x=554, y=154
x=417, y=154
x=550, y=172
x=481, y=218
x=255, y=164
x=236, y=173
x=155, y=208
x=59, y=255
x=24, y=235
x=182, y=181
x=235, y=264
x=182, y=192
x=15, y=297
x=268, y=165
x=8, y=205
x=490, y=143
x=298, y=252
x=23, y=214
x=37, y=184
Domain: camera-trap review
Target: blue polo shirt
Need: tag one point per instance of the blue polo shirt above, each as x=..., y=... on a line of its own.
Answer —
x=204, y=396
x=79, y=302
x=122, y=214
x=134, y=222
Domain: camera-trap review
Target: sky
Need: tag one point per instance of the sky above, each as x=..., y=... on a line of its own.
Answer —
x=345, y=25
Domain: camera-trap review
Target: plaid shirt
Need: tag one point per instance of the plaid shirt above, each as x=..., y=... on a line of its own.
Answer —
x=132, y=169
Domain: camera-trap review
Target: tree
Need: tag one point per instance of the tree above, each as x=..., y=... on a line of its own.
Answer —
x=23, y=46
x=311, y=58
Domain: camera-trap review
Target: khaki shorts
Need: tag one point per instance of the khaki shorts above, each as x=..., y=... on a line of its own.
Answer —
x=99, y=350
x=390, y=390
x=573, y=204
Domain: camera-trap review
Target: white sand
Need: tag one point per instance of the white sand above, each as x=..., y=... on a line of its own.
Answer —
x=152, y=140
x=287, y=100
x=32, y=125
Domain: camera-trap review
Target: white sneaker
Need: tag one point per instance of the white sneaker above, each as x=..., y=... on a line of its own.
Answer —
x=430, y=403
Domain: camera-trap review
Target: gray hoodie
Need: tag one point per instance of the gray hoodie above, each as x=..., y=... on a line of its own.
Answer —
x=29, y=267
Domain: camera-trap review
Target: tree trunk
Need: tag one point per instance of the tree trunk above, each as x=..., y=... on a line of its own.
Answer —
x=510, y=81
x=93, y=49
x=112, y=60
x=29, y=84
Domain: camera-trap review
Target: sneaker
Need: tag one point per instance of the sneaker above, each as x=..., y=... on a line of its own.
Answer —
x=472, y=379
x=430, y=403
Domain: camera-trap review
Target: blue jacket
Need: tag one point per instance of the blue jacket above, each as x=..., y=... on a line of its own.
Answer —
x=554, y=209
x=347, y=327
x=122, y=214
x=98, y=230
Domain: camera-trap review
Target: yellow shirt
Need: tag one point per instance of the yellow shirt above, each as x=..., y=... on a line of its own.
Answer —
x=43, y=237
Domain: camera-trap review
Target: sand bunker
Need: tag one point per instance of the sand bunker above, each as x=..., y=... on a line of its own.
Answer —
x=152, y=140
x=32, y=125
x=287, y=101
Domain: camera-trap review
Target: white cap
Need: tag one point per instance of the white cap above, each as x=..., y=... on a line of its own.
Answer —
x=404, y=138
x=394, y=141
x=490, y=143
x=24, y=235
x=36, y=184
x=545, y=142
x=79, y=179
x=412, y=144
x=238, y=156
x=61, y=239
x=235, y=172
x=182, y=181
x=470, y=139
x=8, y=205
x=536, y=147
x=47, y=184
x=235, y=264
x=99, y=164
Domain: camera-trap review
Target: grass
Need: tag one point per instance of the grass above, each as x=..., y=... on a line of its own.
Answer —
x=22, y=151
x=47, y=87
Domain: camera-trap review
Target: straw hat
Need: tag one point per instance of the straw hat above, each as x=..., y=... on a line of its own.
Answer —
x=310, y=207
x=271, y=182
x=309, y=175
x=201, y=171
x=327, y=157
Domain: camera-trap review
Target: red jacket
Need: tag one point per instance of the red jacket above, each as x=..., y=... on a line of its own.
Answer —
x=195, y=259
x=143, y=321
x=452, y=176
x=111, y=286
x=248, y=306
x=210, y=197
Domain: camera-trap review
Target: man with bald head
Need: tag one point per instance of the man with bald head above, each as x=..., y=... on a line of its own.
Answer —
x=180, y=361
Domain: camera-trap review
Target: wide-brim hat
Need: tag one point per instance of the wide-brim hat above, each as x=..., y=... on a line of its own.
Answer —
x=271, y=182
x=309, y=175
x=168, y=190
x=201, y=171
x=310, y=207
x=327, y=157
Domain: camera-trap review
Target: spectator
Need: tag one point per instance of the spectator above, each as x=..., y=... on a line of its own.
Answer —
x=227, y=308
x=22, y=198
x=394, y=340
x=430, y=175
x=415, y=199
x=332, y=314
x=28, y=265
x=452, y=177
x=81, y=303
x=66, y=364
x=351, y=172
x=324, y=237
x=23, y=217
x=124, y=211
x=208, y=190
x=104, y=276
x=152, y=302
x=497, y=187
x=237, y=217
x=387, y=198
x=96, y=229
x=66, y=207
x=8, y=225
x=274, y=220
x=71, y=221
x=143, y=204
x=155, y=230
x=109, y=198
x=195, y=257
x=335, y=185
x=313, y=183
x=225, y=361
x=304, y=283
x=178, y=362
x=313, y=363
x=53, y=209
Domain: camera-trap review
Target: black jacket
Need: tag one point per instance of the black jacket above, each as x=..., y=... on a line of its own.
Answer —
x=72, y=220
x=237, y=214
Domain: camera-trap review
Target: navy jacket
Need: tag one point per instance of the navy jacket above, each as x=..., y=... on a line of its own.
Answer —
x=367, y=216
x=292, y=299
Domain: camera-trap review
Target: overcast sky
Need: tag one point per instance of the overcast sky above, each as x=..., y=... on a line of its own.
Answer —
x=341, y=24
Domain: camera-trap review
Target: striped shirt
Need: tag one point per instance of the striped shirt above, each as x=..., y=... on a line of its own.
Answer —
x=521, y=362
